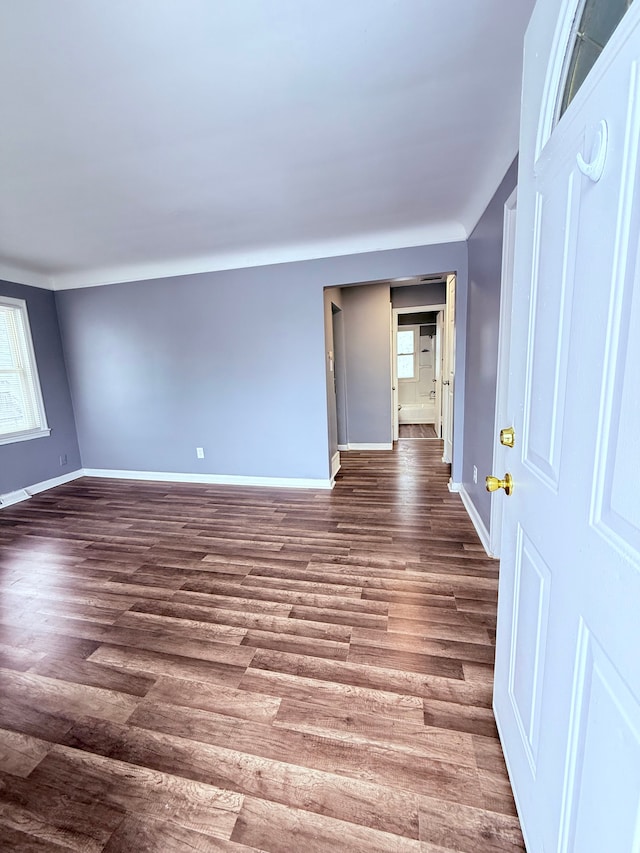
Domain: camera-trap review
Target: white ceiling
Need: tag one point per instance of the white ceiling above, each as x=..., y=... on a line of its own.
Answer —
x=142, y=138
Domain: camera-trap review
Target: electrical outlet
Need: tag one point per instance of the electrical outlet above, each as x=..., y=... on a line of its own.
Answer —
x=63, y=459
x=200, y=452
x=475, y=474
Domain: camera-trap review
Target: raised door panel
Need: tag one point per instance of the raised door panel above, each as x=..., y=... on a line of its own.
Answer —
x=616, y=499
x=604, y=748
x=528, y=643
x=557, y=212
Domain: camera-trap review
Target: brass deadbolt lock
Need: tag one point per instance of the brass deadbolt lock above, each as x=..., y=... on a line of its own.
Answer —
x=508, y=437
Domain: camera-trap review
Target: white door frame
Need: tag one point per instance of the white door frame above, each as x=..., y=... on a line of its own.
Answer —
x=437, y=373
x=448, y=381
x=502, y=416
x=395, y=312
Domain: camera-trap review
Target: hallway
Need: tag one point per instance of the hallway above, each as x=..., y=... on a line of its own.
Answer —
x=240, y=669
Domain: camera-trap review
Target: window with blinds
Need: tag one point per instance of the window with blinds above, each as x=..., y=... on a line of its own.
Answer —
x=22, y=414
x=406, y=348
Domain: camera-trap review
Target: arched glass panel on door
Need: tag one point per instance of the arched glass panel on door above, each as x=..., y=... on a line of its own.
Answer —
x=591, y=31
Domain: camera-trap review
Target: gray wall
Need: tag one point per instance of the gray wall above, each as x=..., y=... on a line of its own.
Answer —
x=368, y=363
x=418, y=294
x=485, y=263
x=159, y=367
x=25, y=463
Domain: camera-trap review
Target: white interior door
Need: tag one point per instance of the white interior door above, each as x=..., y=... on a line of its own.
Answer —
x=449, y=369
x=567, y=689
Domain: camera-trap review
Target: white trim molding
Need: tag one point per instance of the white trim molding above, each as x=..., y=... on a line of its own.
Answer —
x=10, y=498
x=210, y=479
x=55, y=481
x=16, y=437
x=19, y=495
x=454, y=487
x=444, y=232
x=355, y=445
x=23, y=275
x=477, y=521
x=24, y=366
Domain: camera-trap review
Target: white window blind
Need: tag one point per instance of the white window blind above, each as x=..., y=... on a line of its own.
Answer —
x=22, y=413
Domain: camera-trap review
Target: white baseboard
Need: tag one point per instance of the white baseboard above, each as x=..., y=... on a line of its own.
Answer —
x=55, y=481
x=454, y=487
x=210, y=479
x=365, y=446
x=476, y=520
x=11, y=498
x=19, y=495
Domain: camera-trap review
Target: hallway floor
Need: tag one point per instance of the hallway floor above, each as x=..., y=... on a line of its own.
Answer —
x=186, y=667
x=417, y=431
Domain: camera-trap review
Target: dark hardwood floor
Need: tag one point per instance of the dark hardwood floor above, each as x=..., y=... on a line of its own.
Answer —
x=417, y=431
x=233, y=669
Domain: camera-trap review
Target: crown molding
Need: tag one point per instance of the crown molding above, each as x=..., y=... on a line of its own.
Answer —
x=22, y=275
x=447, y=232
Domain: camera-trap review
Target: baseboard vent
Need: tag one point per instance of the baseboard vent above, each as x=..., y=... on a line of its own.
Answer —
x=14, y=497
x=335, y=464
x=35, y=488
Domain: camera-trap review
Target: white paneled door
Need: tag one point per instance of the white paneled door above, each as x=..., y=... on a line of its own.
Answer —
x=567, y=691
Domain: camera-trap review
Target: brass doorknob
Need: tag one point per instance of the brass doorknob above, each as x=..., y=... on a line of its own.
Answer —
x=508, y=437
x=493, y=484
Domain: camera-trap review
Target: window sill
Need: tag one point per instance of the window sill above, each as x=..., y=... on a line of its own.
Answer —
x=24, y=436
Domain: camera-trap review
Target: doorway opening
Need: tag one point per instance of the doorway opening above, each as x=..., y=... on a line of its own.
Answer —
x=361, y=358
x=423, y=367
x=417, y=371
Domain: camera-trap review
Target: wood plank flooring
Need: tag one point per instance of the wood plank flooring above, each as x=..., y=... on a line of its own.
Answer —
x=187, y=667
x=417, y=431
